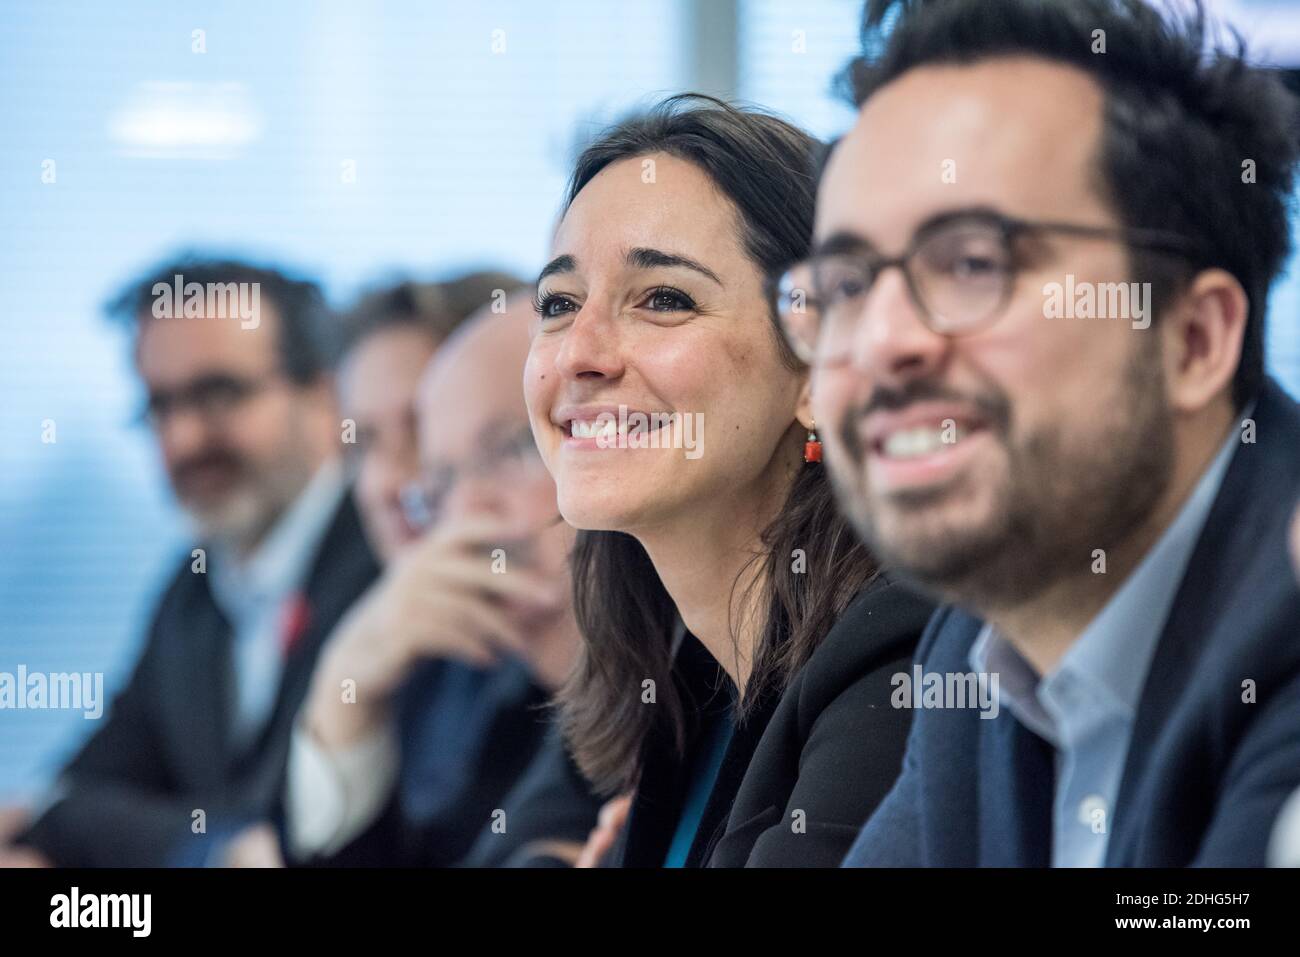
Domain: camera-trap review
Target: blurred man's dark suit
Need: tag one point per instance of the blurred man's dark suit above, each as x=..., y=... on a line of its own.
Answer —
x=130, y=796
x=479, y=759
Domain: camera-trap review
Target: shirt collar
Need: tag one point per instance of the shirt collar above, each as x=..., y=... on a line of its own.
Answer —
x=1017, y=680
x=280, y=563
x=1108, y=663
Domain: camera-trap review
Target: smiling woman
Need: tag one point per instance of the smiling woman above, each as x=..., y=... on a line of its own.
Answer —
x=722, y=599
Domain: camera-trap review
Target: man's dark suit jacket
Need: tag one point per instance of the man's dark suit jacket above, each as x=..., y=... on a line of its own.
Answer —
x=466, y=736
x=163, y=753
x=1206, y=773
x=807, y=767
x=552, y=802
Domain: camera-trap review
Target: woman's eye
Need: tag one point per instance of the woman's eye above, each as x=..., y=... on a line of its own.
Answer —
x=669, y=300
x=552, y=306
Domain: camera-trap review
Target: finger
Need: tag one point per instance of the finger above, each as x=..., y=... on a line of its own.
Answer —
x=468, y=572
x=456, y=619
x=487, y=528
x=479, y=656
x=475, y=530
x=598, y=845
x=615, y=811
x=481, y=617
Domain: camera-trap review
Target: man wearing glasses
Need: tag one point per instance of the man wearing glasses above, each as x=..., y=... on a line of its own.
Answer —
x=1103, y=503
x=245, y=421
x=425, y=711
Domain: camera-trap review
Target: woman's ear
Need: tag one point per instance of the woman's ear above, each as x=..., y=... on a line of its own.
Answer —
x=803, y=409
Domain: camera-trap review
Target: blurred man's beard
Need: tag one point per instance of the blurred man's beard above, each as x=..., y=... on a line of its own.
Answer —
x=240, y=519
x=1062, y=495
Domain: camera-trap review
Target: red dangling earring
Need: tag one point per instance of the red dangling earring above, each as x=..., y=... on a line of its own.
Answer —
x=812, y=449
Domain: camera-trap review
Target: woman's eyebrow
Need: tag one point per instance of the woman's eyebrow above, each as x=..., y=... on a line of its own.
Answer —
x=642, y=258
x=558, y=264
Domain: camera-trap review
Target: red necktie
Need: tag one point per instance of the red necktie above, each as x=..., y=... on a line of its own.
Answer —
x=294, y=619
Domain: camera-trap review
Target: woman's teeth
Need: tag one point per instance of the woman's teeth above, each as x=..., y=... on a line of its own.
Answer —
x=605, y=429
x=609, y=428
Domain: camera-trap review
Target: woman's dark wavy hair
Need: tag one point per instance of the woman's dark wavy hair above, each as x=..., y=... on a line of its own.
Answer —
x=766, y=168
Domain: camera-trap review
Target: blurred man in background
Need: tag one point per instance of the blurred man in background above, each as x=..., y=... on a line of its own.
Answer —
x=236, y=362
x=392, y=332
x=424, y=713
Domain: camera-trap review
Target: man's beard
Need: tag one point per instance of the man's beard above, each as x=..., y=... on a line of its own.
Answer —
x=1062, y=496
x=261, y=493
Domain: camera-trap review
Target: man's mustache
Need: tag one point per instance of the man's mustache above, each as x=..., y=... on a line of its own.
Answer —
x=993, y=407
x=184, y=471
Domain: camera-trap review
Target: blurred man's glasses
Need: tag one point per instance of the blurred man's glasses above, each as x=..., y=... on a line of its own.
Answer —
x=959, y=270
x=213, y=397
x=499, y=460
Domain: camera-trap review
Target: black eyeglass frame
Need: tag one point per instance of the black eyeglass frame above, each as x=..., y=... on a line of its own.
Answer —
x=1009, y=228
x=199, y=396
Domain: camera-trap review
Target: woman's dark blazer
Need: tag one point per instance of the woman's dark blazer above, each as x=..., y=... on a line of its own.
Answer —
x=806, y=770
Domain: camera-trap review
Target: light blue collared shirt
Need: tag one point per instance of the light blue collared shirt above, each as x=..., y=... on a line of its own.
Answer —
x=254, y=595
x=1085, y=707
